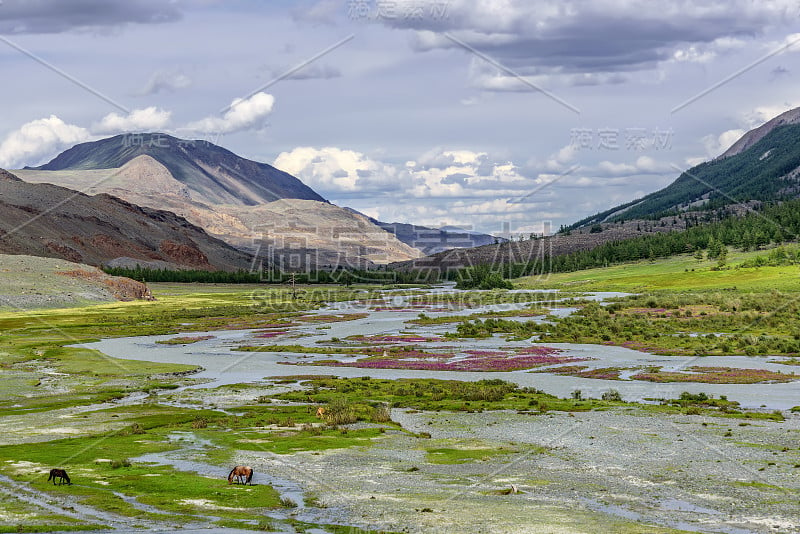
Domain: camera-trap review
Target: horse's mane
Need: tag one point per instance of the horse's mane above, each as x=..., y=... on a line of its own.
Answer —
x=230, y=475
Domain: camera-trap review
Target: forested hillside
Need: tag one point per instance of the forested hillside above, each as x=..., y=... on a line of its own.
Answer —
x=774, y=223
x=767, y=171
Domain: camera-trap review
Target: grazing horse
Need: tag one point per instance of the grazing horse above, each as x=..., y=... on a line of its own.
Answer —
x=59, y=474
x=242, y=473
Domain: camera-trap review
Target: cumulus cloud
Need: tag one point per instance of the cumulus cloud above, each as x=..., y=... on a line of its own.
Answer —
x=333, y=170
x=139, y=120
x=442, y=186
x=242, y=114
x=54, y=16
x=569, y=39
x=39, y=139
x=463, y=173
x=44, y=138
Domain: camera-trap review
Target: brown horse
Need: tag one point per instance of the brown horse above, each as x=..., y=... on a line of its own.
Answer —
x=59, y=474
x=242, y=473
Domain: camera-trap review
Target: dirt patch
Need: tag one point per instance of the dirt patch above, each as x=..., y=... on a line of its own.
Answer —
x=122, y=288
x=28, y=282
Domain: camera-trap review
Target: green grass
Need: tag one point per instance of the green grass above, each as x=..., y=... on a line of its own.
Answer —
x=486, y=395
x=32, y=340
x=672, y=274
x=288, y=442
x=757, y=323
x=465, y=451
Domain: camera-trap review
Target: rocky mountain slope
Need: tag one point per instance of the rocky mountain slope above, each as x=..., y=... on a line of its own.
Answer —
x=32, y=282
x=232, y=198
x=209, y=172
x=52, y=221
x=754, y=136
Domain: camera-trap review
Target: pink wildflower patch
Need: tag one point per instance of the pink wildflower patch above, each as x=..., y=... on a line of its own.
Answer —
x=271, y=334
x=476, y=361
x=716, y=375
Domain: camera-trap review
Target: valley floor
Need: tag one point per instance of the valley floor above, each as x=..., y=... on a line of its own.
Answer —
x=148, y=445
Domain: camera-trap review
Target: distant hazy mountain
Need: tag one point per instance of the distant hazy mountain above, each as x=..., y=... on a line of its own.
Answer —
x=51, y=221
x=433, y=240
x=763, y=166
x=252, y=206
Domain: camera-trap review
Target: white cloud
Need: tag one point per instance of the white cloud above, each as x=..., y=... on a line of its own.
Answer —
x=243, y=114
x=138, y=120
x=717, y=144
x=642, y=165
x=464, y=173
x=39, y=139
x=333, y=170
x=762, y=114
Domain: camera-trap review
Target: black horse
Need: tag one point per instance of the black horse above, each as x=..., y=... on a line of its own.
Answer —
x=59, y=474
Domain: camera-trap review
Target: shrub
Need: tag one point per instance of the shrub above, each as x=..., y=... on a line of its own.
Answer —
x=481, y=277
x=381, y=413
x=266, y=525
x=200, y=422
x=286, y=502
x=340, y=411
x=693, y=397
x=612, y=395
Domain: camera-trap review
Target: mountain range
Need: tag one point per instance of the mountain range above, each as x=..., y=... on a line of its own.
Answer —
x=52, y=221
x=252, y=206
x=433, y=240
x=161, y=201
x=762, y=166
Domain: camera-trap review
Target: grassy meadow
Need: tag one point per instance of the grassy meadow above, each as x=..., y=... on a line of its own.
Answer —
x=677, y=273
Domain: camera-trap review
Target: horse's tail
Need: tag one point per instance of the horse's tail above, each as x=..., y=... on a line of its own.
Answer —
x=230, y=476
x=250, y=476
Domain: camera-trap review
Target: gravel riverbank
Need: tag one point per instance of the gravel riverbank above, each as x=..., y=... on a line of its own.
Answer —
x=617, y=471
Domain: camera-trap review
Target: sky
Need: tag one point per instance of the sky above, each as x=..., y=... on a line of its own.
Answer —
x=493, y=115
